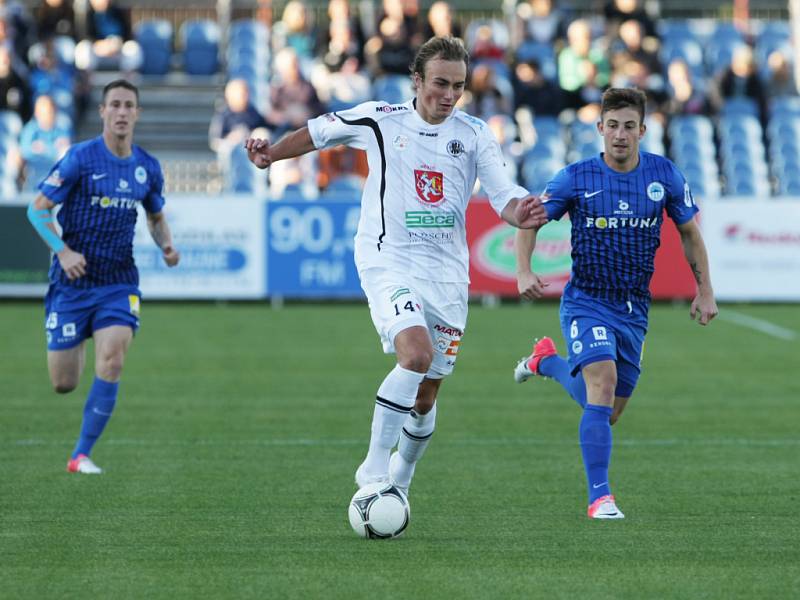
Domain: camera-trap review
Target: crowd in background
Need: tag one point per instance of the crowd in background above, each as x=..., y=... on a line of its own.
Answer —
x=545, y=62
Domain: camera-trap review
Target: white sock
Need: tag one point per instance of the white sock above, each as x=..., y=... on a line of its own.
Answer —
x=417, y=432
x=396, y=397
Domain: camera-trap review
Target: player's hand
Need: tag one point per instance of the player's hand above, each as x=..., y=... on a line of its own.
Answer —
x=530, y=286
x=704, y=308
x=258, y=152
x=73, y=263
x=171, y=256
x=530, y=213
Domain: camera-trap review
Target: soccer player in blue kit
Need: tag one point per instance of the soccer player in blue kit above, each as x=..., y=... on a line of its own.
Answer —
x=616, y=203
x=93, y=279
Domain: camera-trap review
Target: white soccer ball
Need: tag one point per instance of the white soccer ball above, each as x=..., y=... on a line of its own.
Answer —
x=379, y=510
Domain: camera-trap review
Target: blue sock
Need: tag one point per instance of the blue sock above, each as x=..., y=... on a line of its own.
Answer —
x=96, y=413
x=595, y=436
x=558, y=368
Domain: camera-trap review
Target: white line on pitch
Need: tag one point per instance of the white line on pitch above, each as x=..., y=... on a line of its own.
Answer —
x=761, y=325
x=523, y=441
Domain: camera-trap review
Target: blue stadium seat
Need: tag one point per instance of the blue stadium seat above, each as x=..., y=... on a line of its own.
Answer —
x=671, y=30
x=787, y=106
x=200, y=40
x=738, y=107
x=688, y=50
x=10, y=124
x=394, y=89
x=547, y=126
x=155, y=38
x=542, y=53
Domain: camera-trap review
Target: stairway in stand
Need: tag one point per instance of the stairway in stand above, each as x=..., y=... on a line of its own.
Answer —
x=173, y=126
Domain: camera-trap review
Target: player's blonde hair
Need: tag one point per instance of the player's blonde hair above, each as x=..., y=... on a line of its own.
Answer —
x=443, y=48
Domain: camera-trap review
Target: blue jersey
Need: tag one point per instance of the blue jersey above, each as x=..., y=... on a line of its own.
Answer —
x=616, y=221
x=98, y=193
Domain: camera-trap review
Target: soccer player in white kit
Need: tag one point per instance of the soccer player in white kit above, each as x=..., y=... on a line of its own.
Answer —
x=410, y=248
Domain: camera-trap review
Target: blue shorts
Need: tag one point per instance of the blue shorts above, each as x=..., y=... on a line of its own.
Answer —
x=72, y=315
x=597, y=329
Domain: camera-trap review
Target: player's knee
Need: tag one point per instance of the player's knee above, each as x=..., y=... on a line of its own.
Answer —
x=418, y=361
x=110, y=367
x=64, y=385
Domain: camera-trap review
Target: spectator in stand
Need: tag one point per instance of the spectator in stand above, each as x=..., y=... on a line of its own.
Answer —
x=295, y=30
x=293, y=99
x=389, y=52
x=21, y=28
x=632, y=45
x=407, y=13
x=684, y=97
x=485, y=46
x=233, y=121
x=48, y=75
x=345, y=38
x=109, y=44
x=343, y=41
x=55, y=17
x=42, y=142
x=587, y=98
x=484, y=96
x=14, y=91
x=534, y=91
x=440, y=22
x=739, y=80
x=780, y=79
x=618, y=11
x=540, y=21
x=572, y=73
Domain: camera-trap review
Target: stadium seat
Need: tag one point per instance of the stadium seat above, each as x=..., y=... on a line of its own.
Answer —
x=542, y=53
x=200, y=41
x=394, y=89
x=736, y=107
x=155, y=38
x=10, y=124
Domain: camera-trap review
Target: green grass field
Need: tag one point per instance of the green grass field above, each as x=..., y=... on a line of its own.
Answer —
x=231, y=454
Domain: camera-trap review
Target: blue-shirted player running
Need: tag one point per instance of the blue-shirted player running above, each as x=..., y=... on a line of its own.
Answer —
x=94, y=282
x=616, y=202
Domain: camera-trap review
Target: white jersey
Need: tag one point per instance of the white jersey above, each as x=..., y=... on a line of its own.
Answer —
x=421, y=177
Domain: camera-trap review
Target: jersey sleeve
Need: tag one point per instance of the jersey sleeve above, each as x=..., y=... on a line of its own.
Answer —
x=493, y=174
x=154, y=201
x=62, y=178
x=680, y=202
x=346, y=127
x=558, y=195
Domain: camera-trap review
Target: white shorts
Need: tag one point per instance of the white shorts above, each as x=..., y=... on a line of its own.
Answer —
x=397, y=302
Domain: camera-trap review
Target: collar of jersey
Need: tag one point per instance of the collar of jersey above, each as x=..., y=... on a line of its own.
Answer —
x=113, y=156
x=614, y=173
x=422, y=122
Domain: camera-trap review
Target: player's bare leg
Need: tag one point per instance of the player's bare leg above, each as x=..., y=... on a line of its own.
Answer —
x=395, y=398
x=620, y=403
x=66, y=367
x=111, y=345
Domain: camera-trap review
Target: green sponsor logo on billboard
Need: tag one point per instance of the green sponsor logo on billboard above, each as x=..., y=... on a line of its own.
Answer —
x=551, y=257
x=428, y=219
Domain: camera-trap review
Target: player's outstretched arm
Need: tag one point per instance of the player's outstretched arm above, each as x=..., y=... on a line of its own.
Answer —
x=262, y=154
x=529, y=285
x=704, y=306
x=525, y=213
x=162, y=236
x=41, y=217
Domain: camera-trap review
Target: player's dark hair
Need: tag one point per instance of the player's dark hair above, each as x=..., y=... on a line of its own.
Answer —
x=616, y=98
x=443, y=48
x=120, y=83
